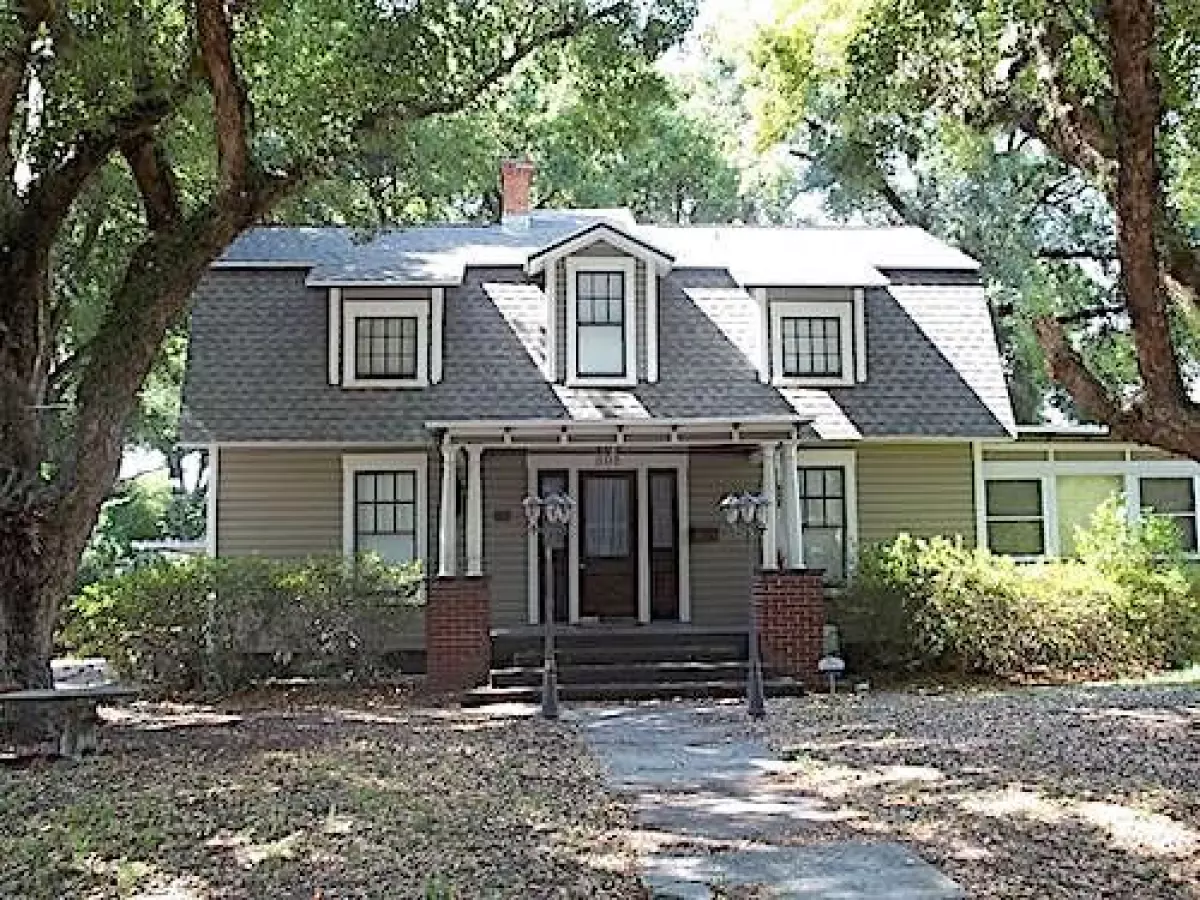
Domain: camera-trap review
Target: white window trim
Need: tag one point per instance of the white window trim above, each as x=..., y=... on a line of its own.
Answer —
x=848, y=460
x=352, y=310
x=804, y=309
x=417, y=463
x=627, y=265
x=1131, y=471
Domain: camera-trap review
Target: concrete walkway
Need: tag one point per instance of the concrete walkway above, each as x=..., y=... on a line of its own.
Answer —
x=708, y=817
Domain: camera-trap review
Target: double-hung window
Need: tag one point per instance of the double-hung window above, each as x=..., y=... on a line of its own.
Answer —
x=1173, y=498
x=823, y=517
x=600, y=324
x=1016, y=523
x=384, y=497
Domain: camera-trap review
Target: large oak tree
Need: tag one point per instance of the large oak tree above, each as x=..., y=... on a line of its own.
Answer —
x=216, y=113
x=1075, y=126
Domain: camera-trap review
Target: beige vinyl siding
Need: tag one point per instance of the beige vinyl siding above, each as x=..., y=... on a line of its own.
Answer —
x=282, y=503
x=599, y=248
x=720, y=569
x=505, y=552
x=922, y=489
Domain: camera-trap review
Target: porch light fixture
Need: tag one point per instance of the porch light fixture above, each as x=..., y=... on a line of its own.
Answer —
x=549, y=515
x=747, y=512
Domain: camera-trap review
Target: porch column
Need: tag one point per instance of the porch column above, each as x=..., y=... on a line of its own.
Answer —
x=474, y=510
x=770, y=556
x=793, y=537
x=447, y=521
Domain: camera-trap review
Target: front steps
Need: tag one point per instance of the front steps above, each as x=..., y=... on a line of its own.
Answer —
x=624, y=663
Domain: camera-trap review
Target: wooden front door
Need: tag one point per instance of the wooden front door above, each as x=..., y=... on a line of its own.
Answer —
x=608, y=545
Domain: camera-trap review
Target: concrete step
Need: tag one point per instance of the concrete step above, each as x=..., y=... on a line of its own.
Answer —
x=774, y=687
x=620, y=653
x=673, y=672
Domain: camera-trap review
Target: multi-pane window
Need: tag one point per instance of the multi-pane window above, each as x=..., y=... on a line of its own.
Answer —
x=385, y=514
x=823, y=516
x=600, y=323
x=385, y=347
x=1174, y=498
x=1015, y=520
x=812, y=346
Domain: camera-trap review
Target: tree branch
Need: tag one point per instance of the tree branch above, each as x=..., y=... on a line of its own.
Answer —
x=14, y=76
x=155, y=180
x=231, y=104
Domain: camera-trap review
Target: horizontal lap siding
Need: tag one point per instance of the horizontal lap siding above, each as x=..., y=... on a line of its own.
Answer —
x=287, y=504
x=720, y=570
x=282, y=503
x=504, y=536
x=921, y=489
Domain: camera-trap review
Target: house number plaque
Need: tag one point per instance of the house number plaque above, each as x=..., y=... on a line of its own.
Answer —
x=608, y=457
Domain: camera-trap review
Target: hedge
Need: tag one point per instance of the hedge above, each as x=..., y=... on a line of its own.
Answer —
x=1127, y=604
x=206, y=623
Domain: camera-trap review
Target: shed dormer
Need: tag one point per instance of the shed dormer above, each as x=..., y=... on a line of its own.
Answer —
x=601, y=285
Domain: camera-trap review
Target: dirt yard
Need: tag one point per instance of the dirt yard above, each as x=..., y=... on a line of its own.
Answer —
x=332, y=796
x=1082, y=793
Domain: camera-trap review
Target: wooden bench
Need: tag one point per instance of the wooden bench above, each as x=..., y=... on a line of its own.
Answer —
x=64, y=718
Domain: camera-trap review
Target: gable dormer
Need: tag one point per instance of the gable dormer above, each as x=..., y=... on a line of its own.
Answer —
x=601, y=285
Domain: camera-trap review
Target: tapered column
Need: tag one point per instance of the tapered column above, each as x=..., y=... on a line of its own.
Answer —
x=770, y=533
x=447, y=521
x=474, y=511
x=793, y=536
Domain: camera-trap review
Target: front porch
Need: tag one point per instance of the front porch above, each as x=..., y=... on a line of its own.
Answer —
x=648, y=587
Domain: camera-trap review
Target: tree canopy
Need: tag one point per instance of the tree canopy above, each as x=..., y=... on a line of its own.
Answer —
x=141, y=139
x=999, y=126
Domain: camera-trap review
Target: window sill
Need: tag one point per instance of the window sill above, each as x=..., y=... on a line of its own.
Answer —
x=600, y=381
x=820, y=382
x=387, y=383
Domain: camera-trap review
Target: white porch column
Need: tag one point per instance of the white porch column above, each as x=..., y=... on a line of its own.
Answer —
x=770, y=559
x=474, y=510
x=793, y=537
x=447, y=521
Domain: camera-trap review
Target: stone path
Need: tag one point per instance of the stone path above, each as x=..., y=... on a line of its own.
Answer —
x=707, y=817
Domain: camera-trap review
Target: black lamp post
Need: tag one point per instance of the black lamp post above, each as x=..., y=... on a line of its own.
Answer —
x=747, y=512
x=548, y=516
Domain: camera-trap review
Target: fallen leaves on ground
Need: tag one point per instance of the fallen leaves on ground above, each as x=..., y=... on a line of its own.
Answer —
x=336, y=798
x=1086, y=792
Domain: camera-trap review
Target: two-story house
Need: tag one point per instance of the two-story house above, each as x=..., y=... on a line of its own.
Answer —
x=403, y=392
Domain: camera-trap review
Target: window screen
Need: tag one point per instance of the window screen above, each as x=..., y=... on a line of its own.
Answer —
x=1015, y=524
x=1174, y=498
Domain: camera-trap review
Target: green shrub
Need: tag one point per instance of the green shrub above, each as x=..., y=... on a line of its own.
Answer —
x=1126, y=604
x=203, y=623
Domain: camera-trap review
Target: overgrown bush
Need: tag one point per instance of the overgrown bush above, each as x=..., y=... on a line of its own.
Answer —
x=207, y=623
x=1126, y=604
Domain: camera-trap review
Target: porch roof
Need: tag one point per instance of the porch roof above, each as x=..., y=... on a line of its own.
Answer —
x=620, y=430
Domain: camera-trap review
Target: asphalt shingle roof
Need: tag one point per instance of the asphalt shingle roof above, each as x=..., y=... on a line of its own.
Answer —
x=258, y=362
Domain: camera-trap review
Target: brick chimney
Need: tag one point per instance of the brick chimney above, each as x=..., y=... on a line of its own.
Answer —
x=516, y=178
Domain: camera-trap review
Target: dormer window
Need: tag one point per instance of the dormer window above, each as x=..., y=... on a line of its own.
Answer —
x=812, y=346
x=600, y=324
x=385, y=347
x=385, y=343
x=601, y=320
x=812, y=343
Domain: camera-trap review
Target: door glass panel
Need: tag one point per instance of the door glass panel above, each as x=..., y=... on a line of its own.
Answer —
x=607, y=517
x=662, y=510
